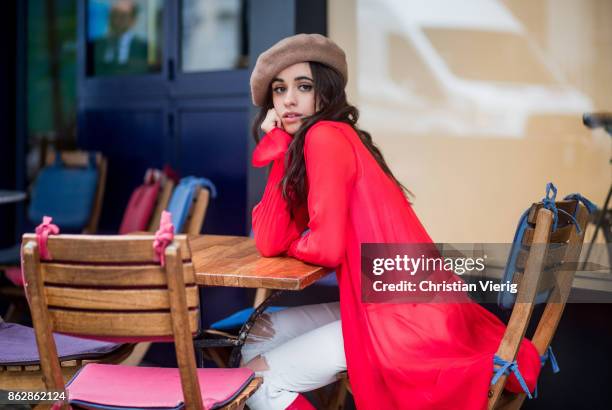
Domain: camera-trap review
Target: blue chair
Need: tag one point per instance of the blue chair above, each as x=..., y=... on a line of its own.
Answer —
x=70, y=189
x=189, y=203
x=237, y=319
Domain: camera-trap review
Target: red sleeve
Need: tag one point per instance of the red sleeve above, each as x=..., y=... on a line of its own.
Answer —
x=331, y=169
x=273, y=227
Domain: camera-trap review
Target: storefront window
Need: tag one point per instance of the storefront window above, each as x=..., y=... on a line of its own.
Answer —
x=124, y=37
x=213, y=35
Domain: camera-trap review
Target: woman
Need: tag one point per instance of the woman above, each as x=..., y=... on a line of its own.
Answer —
x=330, y=190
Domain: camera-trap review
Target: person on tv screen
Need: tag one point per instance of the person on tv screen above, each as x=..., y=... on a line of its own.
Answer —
x=122, y=51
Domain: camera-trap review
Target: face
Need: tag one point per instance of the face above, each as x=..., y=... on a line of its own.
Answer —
x=293, y=95
x=121, y=17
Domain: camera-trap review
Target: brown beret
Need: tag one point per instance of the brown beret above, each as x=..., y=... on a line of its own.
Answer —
x=291, y=50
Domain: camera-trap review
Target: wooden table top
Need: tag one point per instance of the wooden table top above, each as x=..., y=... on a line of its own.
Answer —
x=7, y=197
x=234, y=261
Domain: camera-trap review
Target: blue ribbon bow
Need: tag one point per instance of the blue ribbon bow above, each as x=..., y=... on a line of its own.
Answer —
x=505, y=368
x=549, y=203
x=553, y=360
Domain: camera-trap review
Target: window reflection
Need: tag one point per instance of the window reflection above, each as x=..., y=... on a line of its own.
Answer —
x=124, y=37
x=214, y=35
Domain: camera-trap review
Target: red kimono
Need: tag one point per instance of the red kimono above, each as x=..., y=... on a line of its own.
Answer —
x=399, y=356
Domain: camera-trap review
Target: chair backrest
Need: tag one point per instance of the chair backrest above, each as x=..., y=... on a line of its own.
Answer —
x=147, y=202
x=137, y=214
x=92, y=163
x=197, y=213
x=162, y=203
x=112, y=287
x=546, y=265
x=189, y=203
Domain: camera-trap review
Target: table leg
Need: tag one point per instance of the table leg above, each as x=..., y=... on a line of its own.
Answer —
x=237, y=343
x=236, y=355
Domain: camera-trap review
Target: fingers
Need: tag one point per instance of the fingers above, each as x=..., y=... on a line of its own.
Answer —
x=272, y=120
x=277, y=121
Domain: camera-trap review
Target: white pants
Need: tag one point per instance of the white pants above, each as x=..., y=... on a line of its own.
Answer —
x=303, y=349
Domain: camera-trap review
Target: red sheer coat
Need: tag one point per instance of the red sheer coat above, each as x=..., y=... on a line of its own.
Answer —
x=399, y=356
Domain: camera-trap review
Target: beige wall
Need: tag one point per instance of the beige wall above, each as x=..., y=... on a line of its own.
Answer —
x=473, y=117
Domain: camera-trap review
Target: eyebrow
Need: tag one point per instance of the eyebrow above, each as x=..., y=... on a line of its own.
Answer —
x=303, y=77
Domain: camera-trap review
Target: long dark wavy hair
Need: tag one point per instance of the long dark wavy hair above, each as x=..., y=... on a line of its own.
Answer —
x=332, y=106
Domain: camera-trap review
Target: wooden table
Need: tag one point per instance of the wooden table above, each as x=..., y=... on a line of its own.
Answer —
x=234, y=261
x=7, y=197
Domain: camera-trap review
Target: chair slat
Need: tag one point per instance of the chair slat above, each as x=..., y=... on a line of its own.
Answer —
x=554, y=256
x=106, y=248
x=561, y=235
x=162, y=203
x=116, y=324
x=548, y=280
x=115, y=299
x=568, y=206
x=72, y=158
x=193, y=225
x=110, y=275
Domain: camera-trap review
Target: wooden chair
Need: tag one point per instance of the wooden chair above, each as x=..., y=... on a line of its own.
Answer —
x=30, y=377
x=195, y=210
x=110, y=286
x=197, y=213
x=548, y=265
x=162, y=203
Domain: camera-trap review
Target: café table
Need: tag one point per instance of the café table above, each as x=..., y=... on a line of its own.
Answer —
x=7, y=197
x=234, y=261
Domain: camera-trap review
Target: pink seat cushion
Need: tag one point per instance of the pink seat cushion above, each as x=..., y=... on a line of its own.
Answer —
x=117, y=386
x=14, y=275
x=139, y=209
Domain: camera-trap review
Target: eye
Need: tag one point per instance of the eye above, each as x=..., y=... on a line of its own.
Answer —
x=278, y=89
x=305, y=87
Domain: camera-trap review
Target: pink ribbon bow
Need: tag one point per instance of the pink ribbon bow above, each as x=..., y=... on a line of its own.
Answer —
x=163, y=237
x=43, y=231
